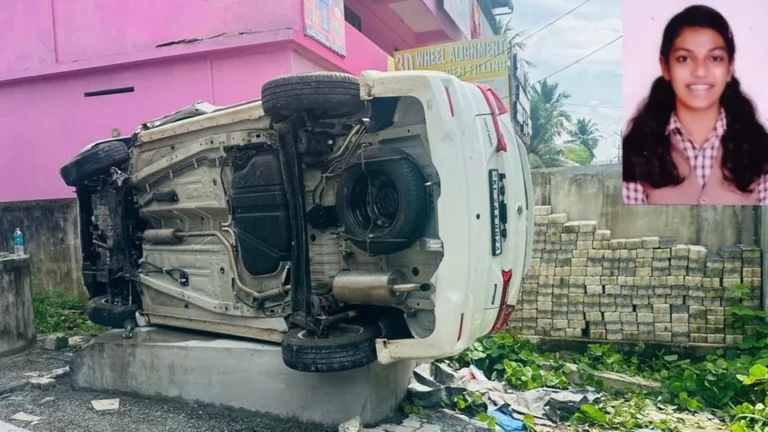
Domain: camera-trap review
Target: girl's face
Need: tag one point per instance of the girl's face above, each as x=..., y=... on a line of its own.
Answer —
x=698, y=68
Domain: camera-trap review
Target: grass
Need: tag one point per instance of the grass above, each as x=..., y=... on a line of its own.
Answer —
x=58, y=312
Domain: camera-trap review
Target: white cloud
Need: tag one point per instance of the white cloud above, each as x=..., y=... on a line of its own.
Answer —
x=573, y=38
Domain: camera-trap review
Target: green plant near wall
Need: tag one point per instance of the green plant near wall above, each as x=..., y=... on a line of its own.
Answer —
x=58, y=312
x=732, y=383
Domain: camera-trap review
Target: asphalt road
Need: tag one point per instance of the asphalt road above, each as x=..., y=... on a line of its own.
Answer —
x=70, y=410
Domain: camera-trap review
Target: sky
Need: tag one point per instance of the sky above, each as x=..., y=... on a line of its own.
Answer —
x=595, y=82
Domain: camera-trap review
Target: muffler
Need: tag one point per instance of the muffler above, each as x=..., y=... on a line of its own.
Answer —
x=374, y=288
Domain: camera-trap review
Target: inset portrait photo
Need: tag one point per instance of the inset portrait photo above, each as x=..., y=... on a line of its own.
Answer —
x=694, y=102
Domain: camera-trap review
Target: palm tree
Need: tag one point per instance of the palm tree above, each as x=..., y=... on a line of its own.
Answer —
x=516, y=39
x=586, y=135
x=549, y=123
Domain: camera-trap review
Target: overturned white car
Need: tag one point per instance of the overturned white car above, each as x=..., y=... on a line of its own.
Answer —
x=351, y=219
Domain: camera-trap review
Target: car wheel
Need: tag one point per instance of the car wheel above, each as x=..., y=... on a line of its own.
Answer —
x=322, y=95
x=345, y=347
x=104, y=313
x=382, y=200
x=93, y=162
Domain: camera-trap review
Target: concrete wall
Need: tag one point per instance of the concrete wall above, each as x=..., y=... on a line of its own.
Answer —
x=17, y=320
x=52, y=241
x=594, y=193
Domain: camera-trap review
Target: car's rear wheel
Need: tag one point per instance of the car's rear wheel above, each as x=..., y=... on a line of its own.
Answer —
x=344, y=347
x=322, y=95
x=382, y=200
x=93, y=162
x=104, y=313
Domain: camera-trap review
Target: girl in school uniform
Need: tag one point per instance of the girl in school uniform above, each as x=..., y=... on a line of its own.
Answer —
x=696, y=139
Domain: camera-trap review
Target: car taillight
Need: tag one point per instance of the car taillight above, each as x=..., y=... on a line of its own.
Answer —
x=505, y=310
x=497, y=108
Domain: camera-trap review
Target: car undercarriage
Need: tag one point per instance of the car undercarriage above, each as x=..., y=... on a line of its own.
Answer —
x=305, y=218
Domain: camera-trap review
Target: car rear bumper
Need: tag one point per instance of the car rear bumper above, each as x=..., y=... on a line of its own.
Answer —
x=460, y=316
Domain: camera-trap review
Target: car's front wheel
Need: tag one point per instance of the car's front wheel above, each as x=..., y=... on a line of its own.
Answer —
x=94, y=161
x=323, y=95
x=344, y=347
x=104, y=313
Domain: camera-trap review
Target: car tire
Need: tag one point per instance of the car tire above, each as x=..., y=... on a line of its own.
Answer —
x=106, y=314
x=93, y=162
x=322, y=95
x=400, y=208
x=349, y=346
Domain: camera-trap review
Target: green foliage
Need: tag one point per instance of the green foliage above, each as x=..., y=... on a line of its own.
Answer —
x=412, y=409
x=578, y=155
x=472, y=404
x=57, y=312
x=585, y=136
x=515, y=361
x=732, y=383
x=621, y=414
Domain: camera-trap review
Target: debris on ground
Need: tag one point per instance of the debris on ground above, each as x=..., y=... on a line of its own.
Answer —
x=42, y=383
x=507, y=407
x=53, y=341
x=24, y=417
x=611, y=380
x=79, y=341
x=352, y=425
x=57, y=373
x=494, y=405
x=106, y=404
x=442, y=420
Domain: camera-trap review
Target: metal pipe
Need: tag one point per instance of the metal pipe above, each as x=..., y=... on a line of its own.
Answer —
x=350, y=137
x=170, y=234
x=379, y=288
x=409, y=287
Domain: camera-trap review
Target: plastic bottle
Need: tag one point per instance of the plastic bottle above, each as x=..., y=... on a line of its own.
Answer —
x=18, y=242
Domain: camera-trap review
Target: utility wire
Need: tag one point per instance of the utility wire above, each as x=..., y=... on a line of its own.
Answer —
x=554, y=21
x=577, y=61
x=509, y=51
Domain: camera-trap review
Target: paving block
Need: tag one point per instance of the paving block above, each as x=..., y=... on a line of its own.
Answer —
x=597, y=334
x=698, y=338
x=602, y=235
x=717, y=339
x=559, y=324
x=557, y=218
x=574, y=333
x=651, y=242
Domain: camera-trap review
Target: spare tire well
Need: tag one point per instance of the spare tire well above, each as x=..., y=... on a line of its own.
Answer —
x=382, y=200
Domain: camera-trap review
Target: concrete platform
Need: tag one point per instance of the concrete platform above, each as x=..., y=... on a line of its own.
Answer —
x=236, y=373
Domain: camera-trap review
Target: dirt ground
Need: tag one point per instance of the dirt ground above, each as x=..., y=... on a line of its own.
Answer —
x=62, y=408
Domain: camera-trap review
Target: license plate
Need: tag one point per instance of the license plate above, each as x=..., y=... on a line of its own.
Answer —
x=495, y=195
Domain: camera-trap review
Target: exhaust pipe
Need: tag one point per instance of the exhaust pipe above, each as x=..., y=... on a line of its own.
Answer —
x=374, y=288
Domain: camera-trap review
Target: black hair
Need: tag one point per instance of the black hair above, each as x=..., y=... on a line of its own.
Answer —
x=646, y=153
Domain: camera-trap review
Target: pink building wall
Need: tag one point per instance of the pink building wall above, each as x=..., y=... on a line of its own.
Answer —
x=53, y=51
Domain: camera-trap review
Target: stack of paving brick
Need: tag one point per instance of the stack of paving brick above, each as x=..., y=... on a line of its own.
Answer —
x=583, y=284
